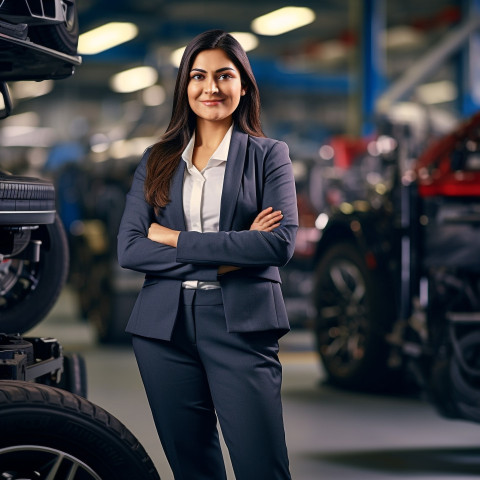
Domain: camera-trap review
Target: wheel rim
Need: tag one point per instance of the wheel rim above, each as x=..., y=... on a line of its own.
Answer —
x=17, y=279
x=10, y=271
x=29, y=462
x=343, y=313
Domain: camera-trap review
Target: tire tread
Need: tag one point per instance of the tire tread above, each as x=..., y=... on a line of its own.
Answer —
x=14, y=393
x=25, y=193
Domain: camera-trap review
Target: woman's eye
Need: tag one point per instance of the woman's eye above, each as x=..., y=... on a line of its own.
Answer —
x=224, y=76
x=197, y=76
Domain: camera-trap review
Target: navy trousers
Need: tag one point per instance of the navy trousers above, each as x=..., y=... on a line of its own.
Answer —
x=203, y=373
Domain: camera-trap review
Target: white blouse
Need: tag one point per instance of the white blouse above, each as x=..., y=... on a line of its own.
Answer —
x=202, y=193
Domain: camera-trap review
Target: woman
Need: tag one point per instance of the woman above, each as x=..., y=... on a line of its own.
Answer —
x=210, y=217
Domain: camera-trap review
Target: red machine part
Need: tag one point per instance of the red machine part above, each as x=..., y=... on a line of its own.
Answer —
x=435, y=173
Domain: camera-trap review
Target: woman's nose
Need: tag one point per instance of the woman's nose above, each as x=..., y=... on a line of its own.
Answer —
x=211, y=87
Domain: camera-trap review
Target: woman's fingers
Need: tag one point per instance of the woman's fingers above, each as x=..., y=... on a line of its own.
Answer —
x=271, y=218
x=272, y=227
x=262, y=214
x=267, y=220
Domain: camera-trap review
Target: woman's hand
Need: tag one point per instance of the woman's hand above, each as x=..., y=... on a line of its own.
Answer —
x=223, y=269
x=163, y=235
x=267, y=220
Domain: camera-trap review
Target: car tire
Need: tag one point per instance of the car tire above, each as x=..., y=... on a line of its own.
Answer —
x=74, y=376
x=62, y=37
x=46, y=430
x=30, y=289
x=352, y=311
x=464, y=384
x=25, y=201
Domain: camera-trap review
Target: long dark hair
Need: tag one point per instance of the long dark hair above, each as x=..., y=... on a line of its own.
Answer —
x=165, y=155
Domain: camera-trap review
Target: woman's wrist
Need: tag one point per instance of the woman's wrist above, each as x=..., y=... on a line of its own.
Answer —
x=163, y=235
x=174, y=238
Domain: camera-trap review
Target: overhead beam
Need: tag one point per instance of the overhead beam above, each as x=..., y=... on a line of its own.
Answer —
x=427, y=65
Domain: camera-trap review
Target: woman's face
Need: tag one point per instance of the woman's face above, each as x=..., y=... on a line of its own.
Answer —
x=215, y=86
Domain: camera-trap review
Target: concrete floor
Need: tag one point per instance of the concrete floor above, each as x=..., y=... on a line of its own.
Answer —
x=331, y=434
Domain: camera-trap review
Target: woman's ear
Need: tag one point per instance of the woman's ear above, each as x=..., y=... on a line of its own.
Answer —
x=243, y=90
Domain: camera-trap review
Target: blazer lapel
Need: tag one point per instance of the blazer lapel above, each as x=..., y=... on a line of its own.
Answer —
x=176, y=199
x=233, y=178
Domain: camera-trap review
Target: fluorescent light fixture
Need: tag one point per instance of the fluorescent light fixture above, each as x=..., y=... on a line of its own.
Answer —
x=18, y=136
x=283, y=20
x=99, y=142
x=26, y=119
x=402, y=37
x=153, y=96
x=176, y=56
x=107, y=36
x=437, y=92
x=333, y=51
x=247, y=40
x=133, y=79
x=30, y=89
x=127, y=148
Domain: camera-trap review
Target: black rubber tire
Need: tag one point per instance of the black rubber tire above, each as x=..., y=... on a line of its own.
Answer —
x=39, y=284
x=62, y=37
x=466, y=387
x=440, y=391
x=74, y=376
x=352, y=314
x=53, y=420
x=26, y=201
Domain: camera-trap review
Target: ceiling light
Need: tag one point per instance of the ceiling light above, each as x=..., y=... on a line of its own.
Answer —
x=30, y=89
x=402, y=37
x=26, y=119
x=18, y=136
x=176, y=56
x=437, y=92
x=134, y=79
x=247, y=40
x=99, y=143
x=127, y=148
x=283, y=20
x=153, y=96
x=105, y=37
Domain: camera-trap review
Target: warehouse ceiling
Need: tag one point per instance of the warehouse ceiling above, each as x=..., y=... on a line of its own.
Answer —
x=306, y=76
x=321, y=47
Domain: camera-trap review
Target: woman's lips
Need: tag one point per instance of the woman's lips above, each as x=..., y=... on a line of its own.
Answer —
x=211, y=103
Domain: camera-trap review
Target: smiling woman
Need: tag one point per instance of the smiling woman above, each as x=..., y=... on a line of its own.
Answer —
x=209, y=218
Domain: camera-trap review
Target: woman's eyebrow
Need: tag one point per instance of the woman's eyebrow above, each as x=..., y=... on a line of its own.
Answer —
x=216, y=71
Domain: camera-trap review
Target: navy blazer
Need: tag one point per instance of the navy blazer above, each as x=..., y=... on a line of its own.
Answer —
x=258, y=175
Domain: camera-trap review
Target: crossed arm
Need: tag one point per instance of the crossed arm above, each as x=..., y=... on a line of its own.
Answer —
x=188, y=255
x=266, y=221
